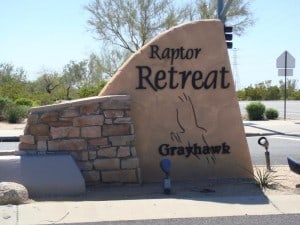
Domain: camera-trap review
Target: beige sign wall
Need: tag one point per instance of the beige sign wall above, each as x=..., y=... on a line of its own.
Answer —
x=184, y=105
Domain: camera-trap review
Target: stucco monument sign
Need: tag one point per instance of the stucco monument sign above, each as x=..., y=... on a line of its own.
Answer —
x=184, y=105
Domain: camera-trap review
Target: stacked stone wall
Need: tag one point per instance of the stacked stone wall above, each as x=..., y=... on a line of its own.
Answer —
x=98, y=132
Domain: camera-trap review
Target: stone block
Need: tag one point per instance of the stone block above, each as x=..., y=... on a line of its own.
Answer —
x=61, y=123
x=107, y=164
x=32, y=118
x=107, y=152
x=129, y=176
x=102, y=141
x=89, y=109
x=39, y=129
x=116, y=130
x=92, y=176
x=91, y=132
x=123, y=151
x=130, y=163
x=108, y=121
x=85, y=166
x=67, y=145
x=111, y=176
x=24, y=146
x=42, y=138
x=42, y=146
x=49, y=116
x=113, y=113
x=121, y=140
x=64, y=132
x=80, y=156
x=133, y=151
x=92, y=155
x=27, y=139
x=93, y=120
x=116, y=103
x=70, y=113
x=123, y=120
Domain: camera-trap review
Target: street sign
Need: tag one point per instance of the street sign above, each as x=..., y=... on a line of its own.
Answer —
x=285, y=72
x=285, y=64
x=285, y=60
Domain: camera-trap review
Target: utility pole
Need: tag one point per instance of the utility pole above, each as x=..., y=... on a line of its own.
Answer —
x=235, y=69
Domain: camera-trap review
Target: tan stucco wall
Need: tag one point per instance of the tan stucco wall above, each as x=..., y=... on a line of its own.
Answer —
x=177, y=116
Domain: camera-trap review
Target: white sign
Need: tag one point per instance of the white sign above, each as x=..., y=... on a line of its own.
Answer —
x=285, y=72
x=285, y=60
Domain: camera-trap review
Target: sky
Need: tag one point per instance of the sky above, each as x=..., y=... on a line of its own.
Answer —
x=40, y=35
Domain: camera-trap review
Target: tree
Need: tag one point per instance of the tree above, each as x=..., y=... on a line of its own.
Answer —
x=291, y=88
x=239, y=14
x=131, y=23
x=13, y=81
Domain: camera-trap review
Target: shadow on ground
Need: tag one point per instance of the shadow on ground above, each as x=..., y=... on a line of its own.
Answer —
x=227, y=192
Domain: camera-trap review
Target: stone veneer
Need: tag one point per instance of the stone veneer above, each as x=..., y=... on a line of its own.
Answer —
x=98, y=132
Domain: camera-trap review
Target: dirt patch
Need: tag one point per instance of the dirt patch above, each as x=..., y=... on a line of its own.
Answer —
x=12, y=126
x=287, y=182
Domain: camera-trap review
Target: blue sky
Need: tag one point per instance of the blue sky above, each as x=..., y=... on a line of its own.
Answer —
x=45, y=35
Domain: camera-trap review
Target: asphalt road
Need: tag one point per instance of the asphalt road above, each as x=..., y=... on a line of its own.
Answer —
x=292, y=108
x=280, y=147
x=229, y=220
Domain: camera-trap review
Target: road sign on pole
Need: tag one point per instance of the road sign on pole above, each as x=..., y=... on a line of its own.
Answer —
x=285, y=60
x=285, y=64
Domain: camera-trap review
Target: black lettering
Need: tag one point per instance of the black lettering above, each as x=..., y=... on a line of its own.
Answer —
x=189, y=54
x=172, y=72
x=212, y=75
x=205, y=150
x=223, y=73
x=164, y=149
x=216, y=149
x=197, y=76
x=180, y=150
x=154, y=51
x=173, y=150
x=160, y=76
x=197, y=51
x=145, y=77
x=185, y=75
x=174, y=54
x=197, y=149
x=225, y=148
x=165, y=53
x=189, y=151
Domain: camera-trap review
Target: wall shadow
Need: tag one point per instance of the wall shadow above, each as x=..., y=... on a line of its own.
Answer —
x=233, y=192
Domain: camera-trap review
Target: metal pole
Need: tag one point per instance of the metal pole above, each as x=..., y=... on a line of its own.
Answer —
x=220, y=8
x=285, y=65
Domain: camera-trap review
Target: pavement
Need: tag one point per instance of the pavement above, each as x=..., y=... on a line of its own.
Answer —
x=146, y=201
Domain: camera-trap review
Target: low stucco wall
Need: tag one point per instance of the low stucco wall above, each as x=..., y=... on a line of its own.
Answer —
x=98, y=132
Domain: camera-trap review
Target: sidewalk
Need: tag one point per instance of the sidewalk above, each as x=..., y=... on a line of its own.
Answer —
x=272, y=127
x=147, y=202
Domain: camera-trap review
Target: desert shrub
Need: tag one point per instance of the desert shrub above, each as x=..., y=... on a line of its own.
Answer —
x=15, y=113
x=271, y=114
x=4, y=103
x=24, y=101
x=255, y=111
x=266, y=179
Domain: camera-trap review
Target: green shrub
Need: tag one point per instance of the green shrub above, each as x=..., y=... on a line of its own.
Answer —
x=271, y=114
x=24, y=101
x=255, y=111
x=4, y=103
x=15, y=113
